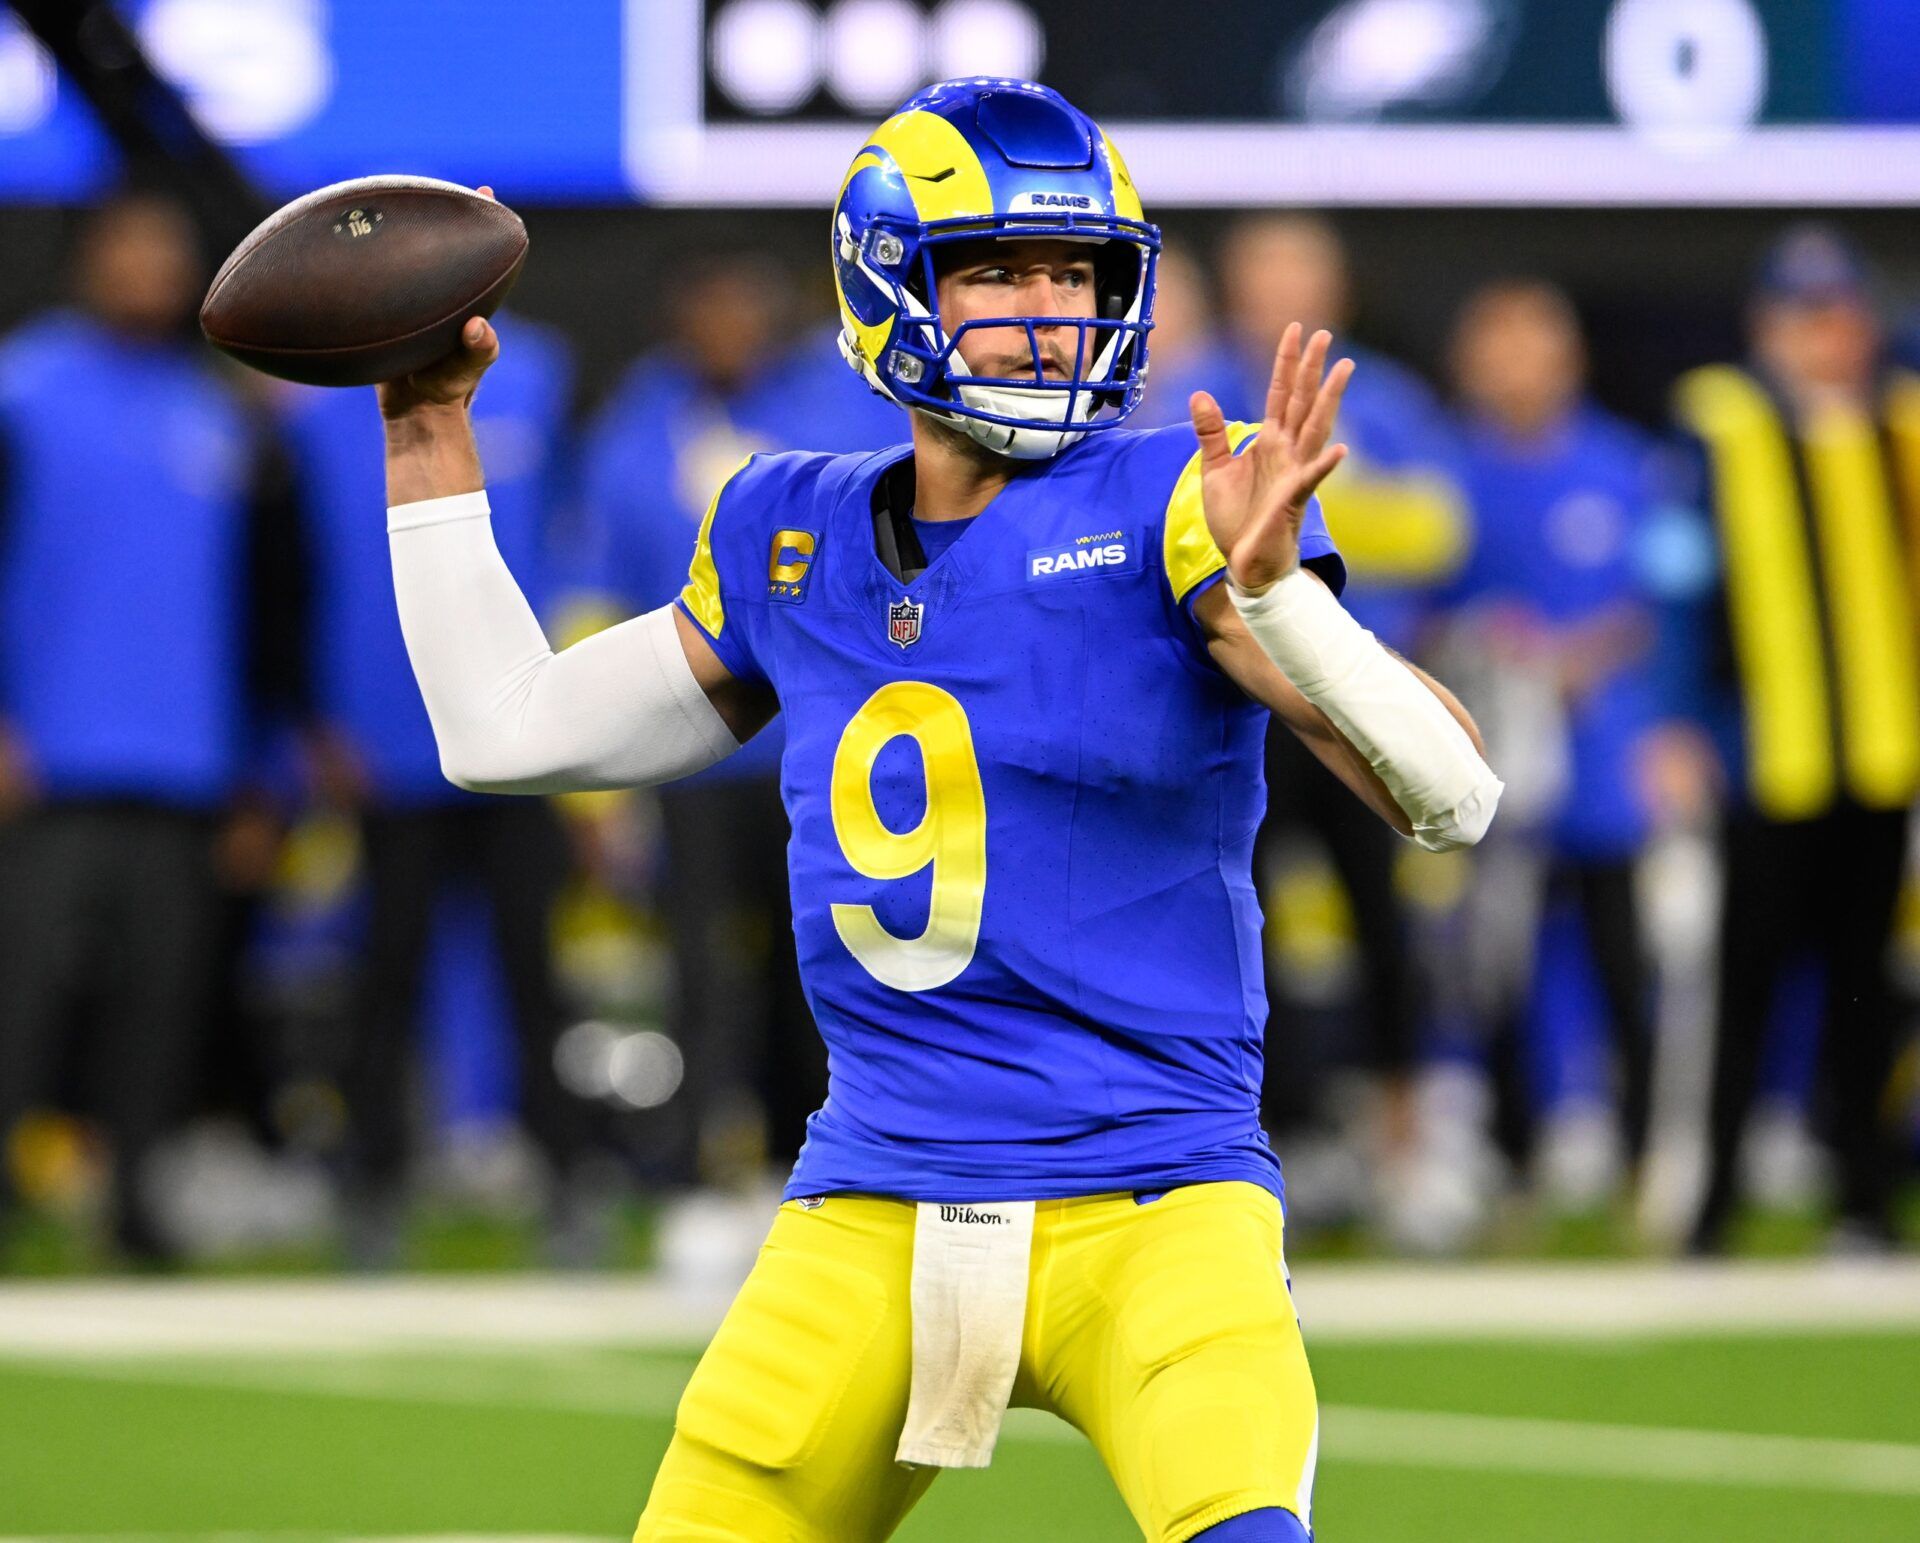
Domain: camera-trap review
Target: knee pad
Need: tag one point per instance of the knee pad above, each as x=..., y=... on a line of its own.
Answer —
x=1269, y=1524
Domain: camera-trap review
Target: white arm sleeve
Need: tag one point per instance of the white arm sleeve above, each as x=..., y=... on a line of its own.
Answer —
x=617, y=709
x=1408, y=736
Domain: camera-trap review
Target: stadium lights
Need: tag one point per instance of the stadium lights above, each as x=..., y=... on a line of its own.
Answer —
x=766, y=53
x=29, y=85
x=1686, y=77
x=731, y=103
x=770, y=57
x=251, y=70
x=1691, y=74
x=630, y=1068
x=876, y=52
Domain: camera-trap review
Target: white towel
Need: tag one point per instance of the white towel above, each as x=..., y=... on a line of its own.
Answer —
x=969, y=1313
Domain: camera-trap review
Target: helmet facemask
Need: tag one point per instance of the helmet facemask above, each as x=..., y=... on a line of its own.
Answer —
x=1032, y=418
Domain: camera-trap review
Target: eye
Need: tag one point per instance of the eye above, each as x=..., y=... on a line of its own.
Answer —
x=1077, y=278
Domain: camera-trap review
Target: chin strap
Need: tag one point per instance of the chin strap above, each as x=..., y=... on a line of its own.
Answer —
x=1030, y=441
x=1034, y=441
x=1023, y=443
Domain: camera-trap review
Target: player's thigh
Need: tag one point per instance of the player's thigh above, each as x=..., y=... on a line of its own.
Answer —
x=787, y=1430
x=1202, y=1404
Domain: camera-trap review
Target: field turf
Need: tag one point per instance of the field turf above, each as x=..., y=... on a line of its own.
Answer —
x=1649, y=1437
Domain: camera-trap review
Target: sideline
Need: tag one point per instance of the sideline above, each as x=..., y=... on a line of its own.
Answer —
x=1338, y=1302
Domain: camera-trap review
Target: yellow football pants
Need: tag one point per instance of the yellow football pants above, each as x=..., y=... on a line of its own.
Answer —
x=1165, y=1332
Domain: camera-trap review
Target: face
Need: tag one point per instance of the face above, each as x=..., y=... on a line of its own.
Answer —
x=979, y=279
x=139, y=267
x=1278, y=270
x=1823, y=345
x=1518, y=357
x=728, y=317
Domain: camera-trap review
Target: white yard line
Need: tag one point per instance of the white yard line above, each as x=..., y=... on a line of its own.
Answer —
x=1349, y=1433
x=1428, y=1439
x=121, y=1318
x=1420, y=1438
x=1337, y=1303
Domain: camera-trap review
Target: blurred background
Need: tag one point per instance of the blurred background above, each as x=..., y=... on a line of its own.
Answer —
x=1632, y=289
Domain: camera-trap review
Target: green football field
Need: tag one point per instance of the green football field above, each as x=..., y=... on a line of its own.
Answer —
x=146, y=1424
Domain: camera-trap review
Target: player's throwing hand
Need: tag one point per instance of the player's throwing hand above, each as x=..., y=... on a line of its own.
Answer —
x=1254, y=501
x=449, y=382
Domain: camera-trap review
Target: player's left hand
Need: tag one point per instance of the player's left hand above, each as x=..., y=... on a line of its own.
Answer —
x=1255, y=501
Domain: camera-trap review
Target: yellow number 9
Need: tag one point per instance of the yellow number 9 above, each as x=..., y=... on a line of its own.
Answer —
x=951, y=835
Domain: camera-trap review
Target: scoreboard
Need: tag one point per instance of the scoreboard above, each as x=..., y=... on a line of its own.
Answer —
x=764, y=101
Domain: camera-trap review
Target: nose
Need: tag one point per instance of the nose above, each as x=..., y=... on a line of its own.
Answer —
x=1041, y=296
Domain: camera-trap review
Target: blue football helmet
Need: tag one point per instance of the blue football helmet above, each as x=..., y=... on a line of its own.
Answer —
x=1006, y=159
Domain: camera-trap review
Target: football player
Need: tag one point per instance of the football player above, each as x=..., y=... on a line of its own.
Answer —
x=1026, y=660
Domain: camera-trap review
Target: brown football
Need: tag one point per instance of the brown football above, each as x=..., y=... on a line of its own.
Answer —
x=363, y=281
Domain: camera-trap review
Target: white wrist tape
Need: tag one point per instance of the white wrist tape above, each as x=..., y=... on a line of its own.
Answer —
x=1406, y=733
x=618, y=709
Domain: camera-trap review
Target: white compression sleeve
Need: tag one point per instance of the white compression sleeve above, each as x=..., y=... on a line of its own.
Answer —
x=618, y=709
x=1408, y=736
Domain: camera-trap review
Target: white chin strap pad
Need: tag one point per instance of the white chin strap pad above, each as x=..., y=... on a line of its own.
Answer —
x=1034, y=441
x=1024, y=443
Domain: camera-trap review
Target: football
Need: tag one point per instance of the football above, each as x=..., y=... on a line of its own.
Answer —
x=363, y=281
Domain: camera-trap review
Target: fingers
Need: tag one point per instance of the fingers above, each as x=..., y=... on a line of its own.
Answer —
x=1318, y=423
x=480, y=345
x=484, y=191
x=1306, y=384
x=1318, y=468
x=1303, y=396
x=1210, y=428
x=1286, y=365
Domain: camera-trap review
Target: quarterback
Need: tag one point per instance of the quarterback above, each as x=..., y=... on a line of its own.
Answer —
x=1027, y=660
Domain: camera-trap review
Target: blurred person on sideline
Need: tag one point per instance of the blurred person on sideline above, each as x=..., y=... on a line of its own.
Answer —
x=1188, y=354
x=1808, y=465
x=681, y=420
x=149, y=619
x=1562, y=494
x=373, y=756
x=1402, y=530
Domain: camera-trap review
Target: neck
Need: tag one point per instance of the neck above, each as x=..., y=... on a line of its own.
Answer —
x=954, y=476
x=1811, y=396
x=1532, y=420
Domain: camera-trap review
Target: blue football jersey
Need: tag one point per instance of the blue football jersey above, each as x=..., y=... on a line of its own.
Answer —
x=1023, y=803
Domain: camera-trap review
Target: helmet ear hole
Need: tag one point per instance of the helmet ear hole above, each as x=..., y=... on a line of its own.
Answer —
x=1115, y=275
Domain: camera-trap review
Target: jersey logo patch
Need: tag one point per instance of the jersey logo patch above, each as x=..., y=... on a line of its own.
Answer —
x=1107, y=551
x=903, y=622
x=788, y=564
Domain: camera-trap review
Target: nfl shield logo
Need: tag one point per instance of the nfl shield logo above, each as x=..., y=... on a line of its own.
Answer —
x=903, y=622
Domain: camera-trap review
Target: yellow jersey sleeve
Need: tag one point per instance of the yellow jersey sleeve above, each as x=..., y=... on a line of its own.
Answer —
x=1187, y=547
x=701, y=594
